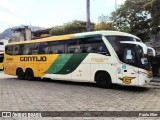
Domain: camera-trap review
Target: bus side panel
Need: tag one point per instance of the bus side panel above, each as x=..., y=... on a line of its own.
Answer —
x=18, y=65
x=111, y=69
x=9, y=66
x=34, y=67
x=82, y=73
x=105, y=63
x=42, y=68
x=127, y=75
x=145, y=77
x=1, y=65
x=46, y=67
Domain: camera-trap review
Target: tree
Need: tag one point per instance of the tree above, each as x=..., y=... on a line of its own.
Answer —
x=153, y=6
x=57, y=30
x=75, y=26
x=103, y=26
x=104, y=23
x=132, y=18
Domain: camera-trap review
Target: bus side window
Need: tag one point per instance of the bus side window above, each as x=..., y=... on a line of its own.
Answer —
x=60, y=47
x=21, y=48
x=9, y=50
x=95, y=45
x=75, y=46
x=15, y=50
x=35, y=48
x=1, y=43
x=27, y=49
x=1, y=57
x=46, y=47
x=56, y=47
x=41, y=48
x=90, y=45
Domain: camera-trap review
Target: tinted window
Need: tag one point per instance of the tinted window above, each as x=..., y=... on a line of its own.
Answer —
x=16, y=50
x=9, y=50
x=56, y=47
x=38, y=48
x=87, y=45
x=21, y=49
x=1, y=57
x=83, y=45
x=46, y=47
x=115, y=41
x=75, y=46
x=95, y=45
x=27, y=50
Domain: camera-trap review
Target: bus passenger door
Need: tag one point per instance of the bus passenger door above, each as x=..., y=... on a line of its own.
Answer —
x=129, y=71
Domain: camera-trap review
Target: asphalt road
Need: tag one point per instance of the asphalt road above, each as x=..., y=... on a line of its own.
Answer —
x=50, y=95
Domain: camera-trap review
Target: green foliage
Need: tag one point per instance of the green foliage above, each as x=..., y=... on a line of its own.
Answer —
x=132, y=18
x=57, y=30
x=104, y=23
x=103, y=26
x=71, y=27
x=153, y=6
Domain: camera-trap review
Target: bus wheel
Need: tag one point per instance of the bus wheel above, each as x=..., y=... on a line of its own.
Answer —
x=103, y=80
x=20, y=74
x=29, y=74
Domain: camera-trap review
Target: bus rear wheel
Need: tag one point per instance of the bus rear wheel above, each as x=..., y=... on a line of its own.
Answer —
x=103, y=80
x=29, y=74
x=20, y=74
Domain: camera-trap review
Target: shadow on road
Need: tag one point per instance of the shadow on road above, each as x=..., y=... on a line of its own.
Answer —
x=86, y=84
x=130, y=88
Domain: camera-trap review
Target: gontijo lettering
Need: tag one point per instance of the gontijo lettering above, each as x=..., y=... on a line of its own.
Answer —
x=33, y=58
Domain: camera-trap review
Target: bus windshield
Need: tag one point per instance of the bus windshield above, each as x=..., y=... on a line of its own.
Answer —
x=129, y=51
x=144, y=58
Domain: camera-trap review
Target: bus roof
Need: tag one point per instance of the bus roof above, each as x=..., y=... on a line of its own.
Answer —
x=77, y=35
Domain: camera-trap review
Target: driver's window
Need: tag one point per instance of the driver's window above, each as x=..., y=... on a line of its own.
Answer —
x=129, y=56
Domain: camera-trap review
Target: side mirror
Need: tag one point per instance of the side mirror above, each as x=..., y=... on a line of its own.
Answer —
x=144, y=60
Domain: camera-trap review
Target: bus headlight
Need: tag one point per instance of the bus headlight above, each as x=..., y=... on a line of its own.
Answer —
x=149, y=73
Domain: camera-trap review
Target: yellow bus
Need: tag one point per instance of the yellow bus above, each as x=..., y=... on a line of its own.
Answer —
x=2, y=46
x=103, y=57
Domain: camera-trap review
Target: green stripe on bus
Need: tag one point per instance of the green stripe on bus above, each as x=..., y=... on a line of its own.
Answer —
x=59, y=63
x=72, y=63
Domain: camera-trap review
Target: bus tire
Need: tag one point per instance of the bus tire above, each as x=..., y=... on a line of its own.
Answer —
x=20, y=73
x=103, y=80
x=29, y=74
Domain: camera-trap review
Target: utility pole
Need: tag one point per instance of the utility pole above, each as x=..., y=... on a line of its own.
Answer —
x=116, y=13
x=88, y=26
